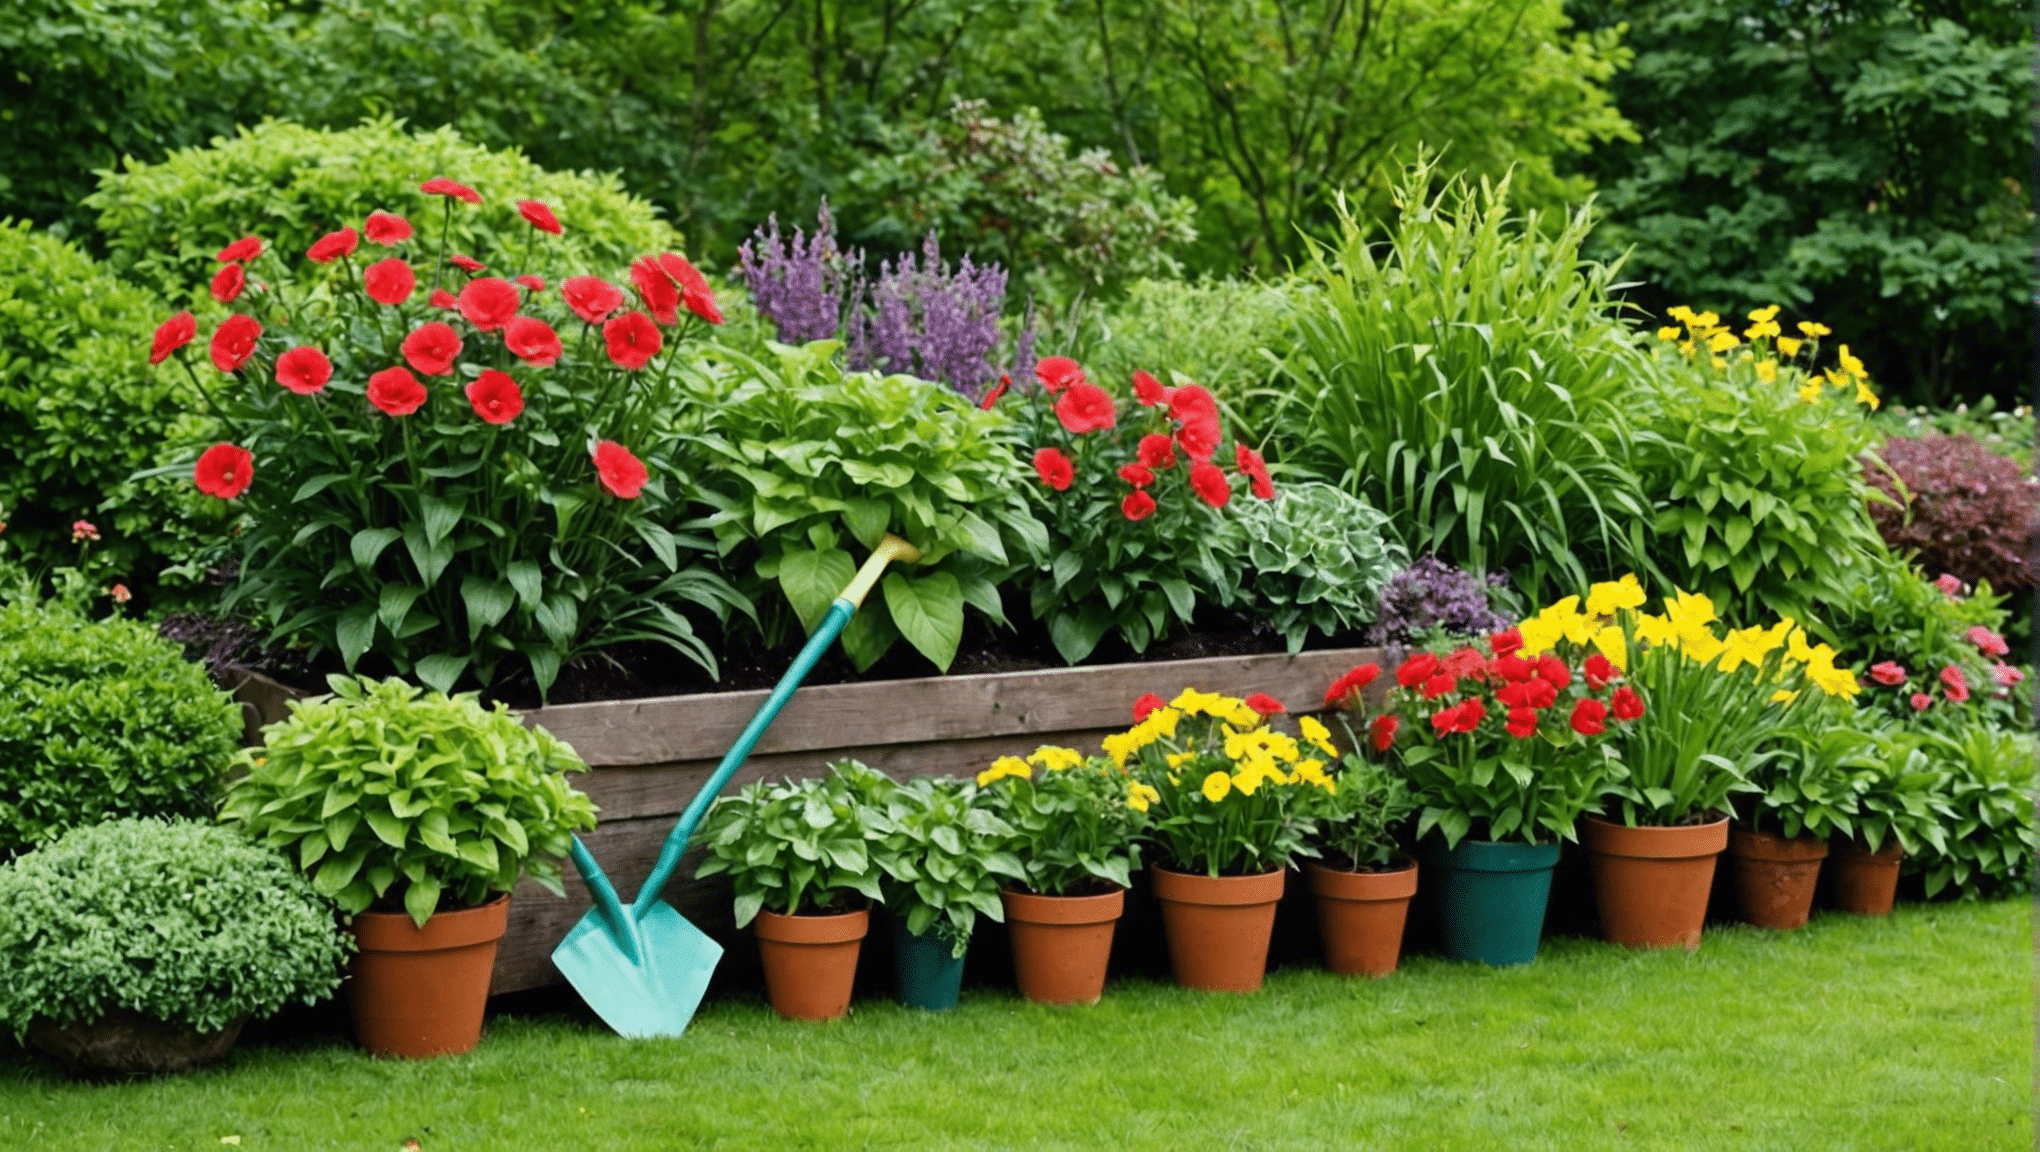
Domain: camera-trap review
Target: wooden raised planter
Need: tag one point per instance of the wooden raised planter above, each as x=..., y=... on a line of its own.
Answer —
x=649, y=757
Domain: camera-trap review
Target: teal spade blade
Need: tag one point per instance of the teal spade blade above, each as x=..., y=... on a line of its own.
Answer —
x=653, y=996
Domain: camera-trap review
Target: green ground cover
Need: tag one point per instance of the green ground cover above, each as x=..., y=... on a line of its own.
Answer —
x=1913, y=1032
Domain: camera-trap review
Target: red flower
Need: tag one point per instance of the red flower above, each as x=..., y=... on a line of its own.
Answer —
x=2006, y=675
x=1210, y=484
x=1255, y=468
x=1192, y=402
x=1462, y=717
x=532, y=340
x=1353, y=681
x=997, y=391
x=1948, y=584
x=224, y=470
x=1265, y=704
x=1146, y=704
x=1148, y=390
x=389, y=281
x=591, y=299
x=466, y=263
x=632, y=340
x=1136, y=474
x=1086, y=408
x=495, y=397
x=620, y=472
x=240, y=251
x=1553, y=671
x=1054, y=468
x=1954, y=683
x=234, y=342
x=1463, y=662
x=441, y=298
x=1531, y=693
x=1626, y=704
x=1921, y=701
x=1058, y=372
x=227, y=283
x=174, y=333
x=1522, y=722
x=1436, y=686
x=695, y=295
x=1512, y=668
x=441, y=186
x=431, y=348
x=82, y=530
x=1382, y=731
x=656, y=289
x=1589, y=717
x=1200, y=438
x=489, y=303
x=1137, y=506
x=1156, y=451
x=539, y=216
x=385, y=228
x=303, y=370
x=1600, y=671
x=531, y=283
x=332, y=246
x=1416, y=670
x=396, y=391
x=1987, y=641
x=1505, y=643
x=1889, y=673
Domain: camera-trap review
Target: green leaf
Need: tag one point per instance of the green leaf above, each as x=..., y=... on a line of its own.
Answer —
x=525, y=578
x=660, y=541
x=487, y=601
x=386, y=826
x=369, y=543
x=928, y=611
x=395, y=604
x=812, y=580
x=354, y=631
x=441, y=516
x=316, y=485
x=421, y=899
x=440, y=670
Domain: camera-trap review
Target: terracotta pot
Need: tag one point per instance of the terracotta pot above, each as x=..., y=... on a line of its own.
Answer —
x=417, y=992
x=1651, y=883
x=1866, y=882
x=811, y=962
x=1361, y=916
x=1775, y=876
x=124, y=1042
x=1061, y=944
x=1218, y=927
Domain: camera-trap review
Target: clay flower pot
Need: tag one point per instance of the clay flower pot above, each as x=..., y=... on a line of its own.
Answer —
x=1218, y=927
x=1651, y=883
x=1361, y=916
x=1775, y=876
x=1865, y=882
x=1061, y=944
x=417, y=992
x=124, y=1042
x=811, y=962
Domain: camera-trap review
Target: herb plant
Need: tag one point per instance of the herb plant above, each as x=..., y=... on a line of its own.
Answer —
x=1808, y=786
x=1987, y=794
x=1358, y=817
x=944, y=858
x=1319, y=559
x=1431, y=600
x=801, y=846
x=1076, y=821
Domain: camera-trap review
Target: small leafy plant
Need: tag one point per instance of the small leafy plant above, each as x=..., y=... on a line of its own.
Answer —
x=943, y=858
x=1898, y=792
x=801, y=846
x=1319, y=559
x=390, y=796
x=1076, y=821
x=1808, y=786
x=1357, y=818
x=1987, y=794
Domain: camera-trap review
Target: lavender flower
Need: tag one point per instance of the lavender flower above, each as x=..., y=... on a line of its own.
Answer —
x=927, y=320
x=1431, y=596
x=798, y=284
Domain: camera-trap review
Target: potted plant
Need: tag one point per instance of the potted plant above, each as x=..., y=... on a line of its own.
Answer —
x=1076, y=824
x=1899, y=809
x=1227, y=796
x=1803, y=796
x=416, y=812
x=943, y=861
x=800, y=861
x=141, y=946
x=1362, y=881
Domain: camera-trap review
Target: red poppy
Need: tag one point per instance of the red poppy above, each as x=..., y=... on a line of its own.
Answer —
x=1513, y=669
x=233, y=342
x=1146, y=704
x=227, y=283
x=431, y=348
x=332, y=246
x=1436, y=686
x=1532, y=693
x=1210, y=484
x=1987, y=641
x=620, y=472
x=695, y=294
x=1192, y=402
x=489, y=302
x=1200, y=438
x=1589, y=717
x=1505, y=643
x=1626, y=704
x=240, y=251
x=1137, y=475
x=389, y=281
x=1921, y=701
x=656, y=289
x=303, y=370
x=1058, y=372
x=1265, y=704
x=442, y=299
x=1137, y=506
x=224, y=470
x=1954, y=683
x=441, y=186
x=632, y=340
x=396, y=391
x=386, y=228
x=1148, y=390
x=1360, y=676
x=1156, y=451
x=1889, y=673
x=1600, y=670
x=1416, y=670
x=1382, y=731
x=1465, y=717
x=466, y=263
x=495, y=397
x=592, y=299
x=173, y=334
x=532, y=340
x=539, y=216
x=1553, y=671
x=997, y=391
x=1086, y=408
x=531, y=283
x=1522, y=723
x=1463, y=662
x=1054, y=468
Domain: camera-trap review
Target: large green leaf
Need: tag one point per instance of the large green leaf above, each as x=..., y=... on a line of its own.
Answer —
x=812, y=579
x=928, y=610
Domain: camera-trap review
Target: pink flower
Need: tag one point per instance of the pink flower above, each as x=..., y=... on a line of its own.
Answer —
x=1948, y=584
x=82, y=530
x=120, y=593
x=2006, y=675
x=1888, y=673
x=1954, y=683
x=1987, y=641
x=1921, y=701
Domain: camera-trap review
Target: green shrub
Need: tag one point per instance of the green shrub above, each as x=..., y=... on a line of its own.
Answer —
x=1987, y=792
x=1892, y=614
x=1318, y=559
x=179, y=921
x=290, y=184
x=101, y=720
x=800, y=845
x=944, y=859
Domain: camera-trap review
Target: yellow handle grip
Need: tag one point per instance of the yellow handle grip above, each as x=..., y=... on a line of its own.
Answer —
x=889, y=549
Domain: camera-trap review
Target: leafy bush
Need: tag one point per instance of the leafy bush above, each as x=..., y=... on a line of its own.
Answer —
x=1076, y=821
x=102, y=720
x=1905, y=630
x=1466, y=377
x=800, y=845
x=1358, y=818
x=389, y=796
x=944, y=858
x=1898, y=791
x=1813, y=780
x=179, y=921
x=2007, y=432
x=1987, y=794
x=1319, y=561
x=1959, y=508
x=796, y=455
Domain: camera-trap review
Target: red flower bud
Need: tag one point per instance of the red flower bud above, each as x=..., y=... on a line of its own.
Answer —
x=1382, y=731
x=539, y=216
x=1147, y=703
x=441, y=186
x=1265, y=704
x=1353, y=681
x=1626, y=704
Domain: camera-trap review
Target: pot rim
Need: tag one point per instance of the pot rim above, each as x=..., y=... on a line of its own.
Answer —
x=834, y=928
x=458, y=928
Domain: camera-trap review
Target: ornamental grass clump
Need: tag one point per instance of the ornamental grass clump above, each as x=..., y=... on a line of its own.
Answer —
x=1076, y=821
x=456, y=471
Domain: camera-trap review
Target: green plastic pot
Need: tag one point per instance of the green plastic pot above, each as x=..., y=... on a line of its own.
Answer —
x=1491, y=899
x=929, y=977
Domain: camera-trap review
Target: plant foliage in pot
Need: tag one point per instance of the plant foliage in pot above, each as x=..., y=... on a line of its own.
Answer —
x=944, y=861
x=1899, y=809
x=416, y=813
x=140, y=946
x=1362, y=880
x=799, y=855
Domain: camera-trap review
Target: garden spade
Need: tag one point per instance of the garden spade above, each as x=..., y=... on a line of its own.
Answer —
x=642, y=967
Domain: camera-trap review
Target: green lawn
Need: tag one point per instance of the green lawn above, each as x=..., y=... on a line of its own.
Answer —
x=1914, y=1032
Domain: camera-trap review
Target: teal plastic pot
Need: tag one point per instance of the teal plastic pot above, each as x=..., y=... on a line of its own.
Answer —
x=1491, y=899
x=929, y=977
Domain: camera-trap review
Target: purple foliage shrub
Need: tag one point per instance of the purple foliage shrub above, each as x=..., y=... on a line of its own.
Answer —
x=1433, y=596
x=1971, y=510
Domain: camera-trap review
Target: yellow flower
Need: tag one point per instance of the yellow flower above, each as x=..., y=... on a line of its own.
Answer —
x=1718, y=363
x=1613, y=645
x=1830, y=679
x=1686, y=349
x=1722, y=341
x=1242, y=716
x=1163, y=721
x=1767, y=370
x=1139, y=796
x=1310, y=772
x=1055, y=759
x=1703, y=320
x=1612, y=596
x=1248, y=779
x=1698, y=643
x=1810, y=391
x=1121, y=745
x=1744, y=646
x=1656, y=631
x=1681, y=313
x=1689, y=608
x=1668, y=333
x=1177, y=759
x=1538, y=635
x=1835, y=379
x=1766, y=314
x=1865, y=396
x=1191, y=702
x=1319, y=736
x=1216, y=786
x=1851, y=365
x=1796, y=649
x=1781, y=696
x=1788, y=346
x=1815, y=330
x=1003, y=767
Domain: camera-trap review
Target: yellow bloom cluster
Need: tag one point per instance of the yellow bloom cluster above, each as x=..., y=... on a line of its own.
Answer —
x=1687, y=625
x=1704, y=329
x=1048, y=758
x=1257, y=754
x=1564, y=621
